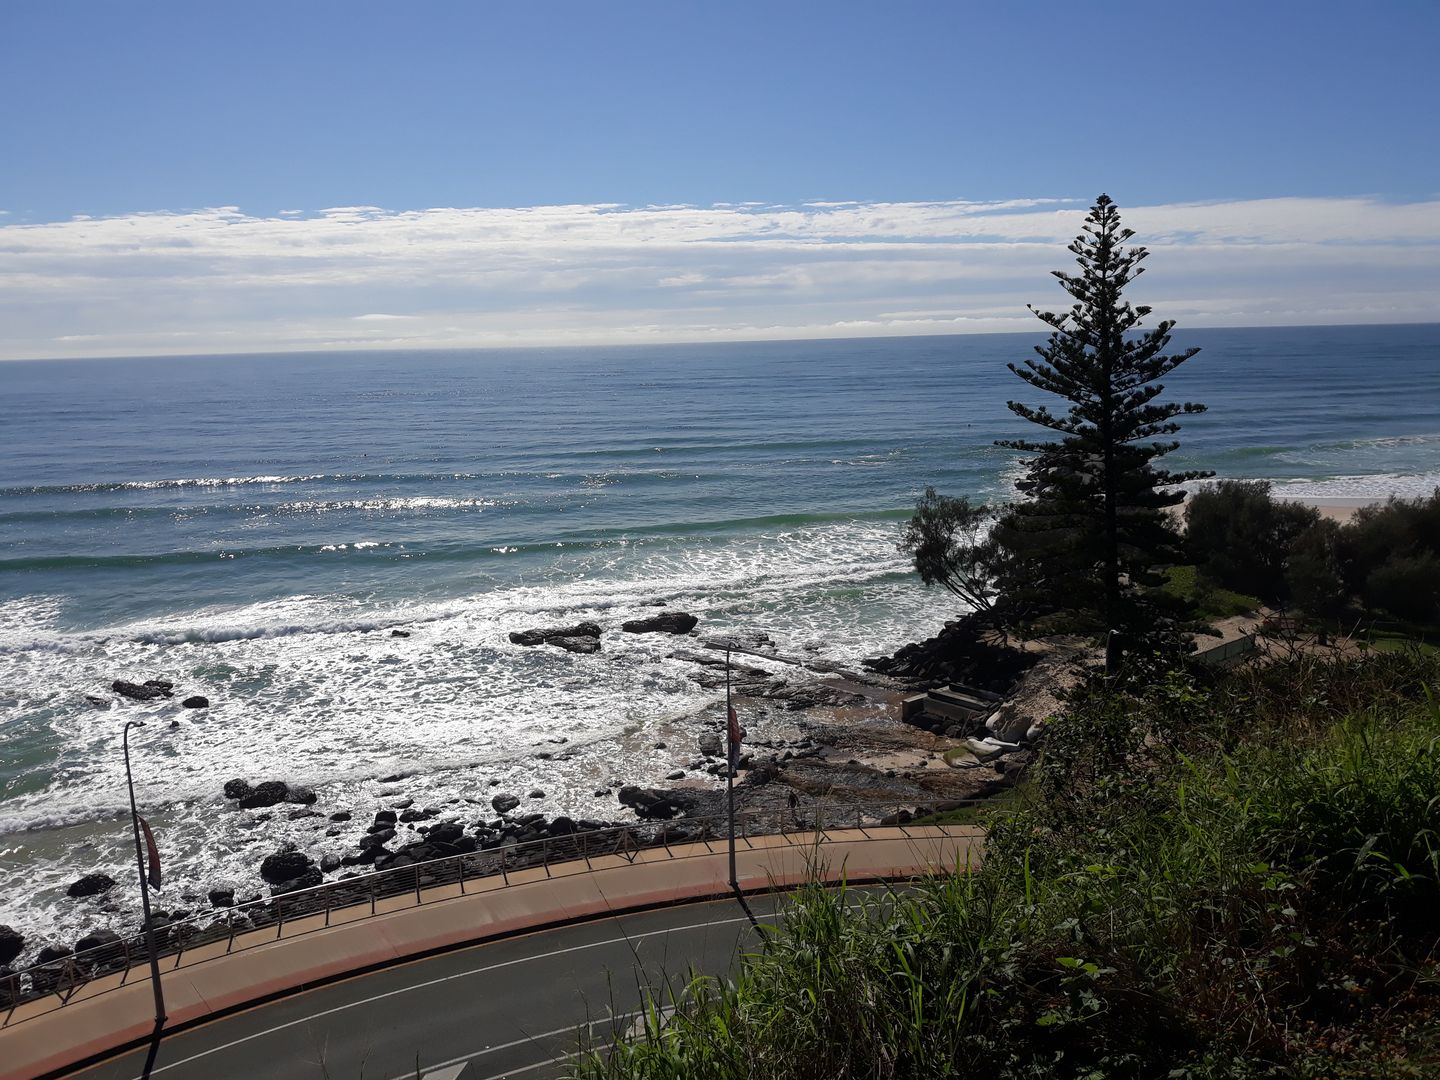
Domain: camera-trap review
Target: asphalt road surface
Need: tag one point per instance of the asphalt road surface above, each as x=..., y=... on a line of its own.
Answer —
x=514, y=1007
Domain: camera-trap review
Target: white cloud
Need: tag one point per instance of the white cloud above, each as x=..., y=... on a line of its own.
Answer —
x=223, y=280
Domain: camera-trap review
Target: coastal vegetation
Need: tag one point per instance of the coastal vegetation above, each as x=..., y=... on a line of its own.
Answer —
x=1210, y=874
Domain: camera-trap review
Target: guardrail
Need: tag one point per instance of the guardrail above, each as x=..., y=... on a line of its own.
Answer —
x=248, y=925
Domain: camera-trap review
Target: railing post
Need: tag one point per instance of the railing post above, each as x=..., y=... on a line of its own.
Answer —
x=545, y=854
x=370, y=885
x=462, y=875
x=279, y=918
x=585, y=850
x=231, y=943
x=417, y=885
x=505, y=877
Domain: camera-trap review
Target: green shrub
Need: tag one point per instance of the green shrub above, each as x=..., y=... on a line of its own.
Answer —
x=1239, y=535
x=1407, y=586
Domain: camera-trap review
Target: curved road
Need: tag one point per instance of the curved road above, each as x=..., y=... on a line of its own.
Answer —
x=511, y=1007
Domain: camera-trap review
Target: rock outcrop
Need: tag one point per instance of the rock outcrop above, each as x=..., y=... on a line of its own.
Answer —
x=667, y=622
x=11, y=944
x=284, y=866
x=91, y=885
x=581, y=638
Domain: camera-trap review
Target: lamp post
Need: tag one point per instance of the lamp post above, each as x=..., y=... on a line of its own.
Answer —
x=730, y=761
x=144, y=883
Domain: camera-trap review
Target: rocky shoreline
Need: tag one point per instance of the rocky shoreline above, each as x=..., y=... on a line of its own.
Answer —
x=830, y=740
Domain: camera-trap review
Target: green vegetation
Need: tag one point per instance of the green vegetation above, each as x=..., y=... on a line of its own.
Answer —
x=1209, y=875
x=1209, y=601
x=1093, y=519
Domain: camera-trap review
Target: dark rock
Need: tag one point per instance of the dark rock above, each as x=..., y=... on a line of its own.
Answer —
x=302, y=795
x=198, y=701
x=394, y=778
x=403, y=804
x=329, y=863
x=582, y=645
x=340, y=815
x=98, y=701
x=447, y=832
x=137, y=692
x=399, y=633
x=165, y=686
x=678, y=774
x=50, y=953
x=648, y=803
x=306, y=879
x=659, y=746
x=91, y=885
x=395, y=861
x=222, y=897
x=600, y=793
x=407, y=816
x=267, y=794
x=503, y=804
x=531, y=638
x=667, y=622
x=537, y=794
x=11, y=943
x=710, y=744
x=98, y=939
x=561, y=826
x=383, y=820
x=377, y=839
x=284, y=866
x=237, y=789
x=296, y=815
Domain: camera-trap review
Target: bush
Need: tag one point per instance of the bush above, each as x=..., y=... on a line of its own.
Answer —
x=1407, y=586
x=1239, y=535
x=1377, y=534
x=1313, y=575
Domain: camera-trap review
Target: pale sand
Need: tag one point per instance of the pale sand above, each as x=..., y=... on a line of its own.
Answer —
x=1341, y=510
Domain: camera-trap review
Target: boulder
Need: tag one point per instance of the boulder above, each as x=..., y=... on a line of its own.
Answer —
x=50, y=953
x=98, y=939
x=306, y=879
x=667, y=622
x=503, y=804
x=340, y=815
x=399, y=633
x=197, y=701
x=137, y=692
x=222, y=897
x=98, y=701
x=329, y=863
x=91, y=885
x=302, y=795
x=648, y=803
x=678, y=774
x=11, y=943
x=447, y=832
x=561, y=826
x=407, y=816
x=267, y=794
x=582, y=645
x=165, y=686
x=384, y=819
x=403, y=804
x=237, y=788
x=284, y=866
x=530, y=638
x=377, y=839
x=537, y=794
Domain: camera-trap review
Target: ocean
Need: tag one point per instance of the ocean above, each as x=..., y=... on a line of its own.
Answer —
x=254, y=527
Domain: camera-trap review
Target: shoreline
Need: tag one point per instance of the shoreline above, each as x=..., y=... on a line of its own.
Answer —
x=1339, y=509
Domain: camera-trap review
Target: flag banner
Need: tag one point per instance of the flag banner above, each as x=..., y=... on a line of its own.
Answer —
x=154, y=853
x=736, y=734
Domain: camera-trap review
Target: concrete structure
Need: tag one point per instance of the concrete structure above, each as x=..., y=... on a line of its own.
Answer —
x=46, y=1035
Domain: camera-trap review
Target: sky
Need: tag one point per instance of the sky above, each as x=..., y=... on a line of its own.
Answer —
x=204, y=178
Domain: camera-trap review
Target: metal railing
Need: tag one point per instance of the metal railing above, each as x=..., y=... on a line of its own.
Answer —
x=259, y=922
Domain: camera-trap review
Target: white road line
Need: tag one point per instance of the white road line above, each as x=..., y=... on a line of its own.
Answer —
x=444, y=979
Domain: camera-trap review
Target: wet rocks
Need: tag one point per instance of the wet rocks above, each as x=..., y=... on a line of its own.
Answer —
x=340, y=815
x=284, y=866
x=98, y=701
x=294, y=793
x=377, y=838
x=11, y=943
x=91, y=885
x=306, y=879
x=267, y=794
x=50, y=953
x=222, y=897
x=503, y=804
x=197, y=701
x=537, y=794
x=330, y=863
x=581, y=638
x=138, y=691
x=447, y=832
x=98, y=939
x=678, y=774
x=667, y=622
x=237, y=788
x=649, y=803
x=399, y=633
x=384, y=819
x=408, y=816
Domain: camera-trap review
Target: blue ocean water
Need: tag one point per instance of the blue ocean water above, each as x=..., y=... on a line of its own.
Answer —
x=253, y=527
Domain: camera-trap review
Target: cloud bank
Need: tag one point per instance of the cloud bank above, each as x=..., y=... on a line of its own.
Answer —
x=220, y=280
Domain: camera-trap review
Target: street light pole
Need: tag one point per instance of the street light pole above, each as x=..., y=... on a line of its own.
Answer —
x=730, y=769
x=144, y=883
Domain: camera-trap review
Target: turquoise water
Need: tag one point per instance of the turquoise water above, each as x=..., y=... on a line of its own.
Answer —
x=253, y=527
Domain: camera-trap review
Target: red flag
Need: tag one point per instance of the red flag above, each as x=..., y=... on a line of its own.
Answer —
x=736, y=733
x=154, y=853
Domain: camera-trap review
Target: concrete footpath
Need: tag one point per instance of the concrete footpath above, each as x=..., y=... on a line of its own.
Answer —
x=44, y=1036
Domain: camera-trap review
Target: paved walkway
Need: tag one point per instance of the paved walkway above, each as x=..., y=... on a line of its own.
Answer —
x=44, y=1037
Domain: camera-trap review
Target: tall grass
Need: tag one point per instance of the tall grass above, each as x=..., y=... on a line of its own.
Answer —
x=1228, y=878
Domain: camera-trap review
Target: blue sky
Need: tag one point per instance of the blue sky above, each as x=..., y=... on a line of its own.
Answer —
x=126, y=111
